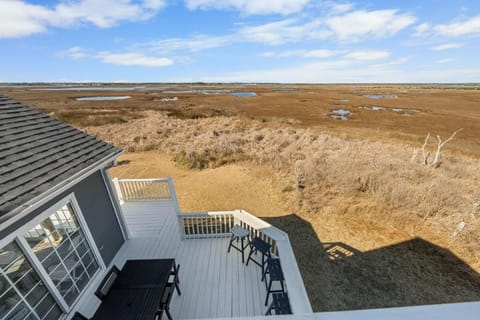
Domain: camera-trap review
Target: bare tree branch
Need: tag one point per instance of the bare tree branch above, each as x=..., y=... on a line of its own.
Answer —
x=440, y=144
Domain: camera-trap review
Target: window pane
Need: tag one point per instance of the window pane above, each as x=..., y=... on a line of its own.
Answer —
x=36, y=294
x=54, y=313
x=20, y=312
x=8, y=254
x=17, y=269
x=92, y=269
x=65, y=248
x=8, y=301
x=71, y=295
x=27, y=282
x=51, y=262
x=44, y=306
x=82, y=280
x=58, y=274
x=82, y=248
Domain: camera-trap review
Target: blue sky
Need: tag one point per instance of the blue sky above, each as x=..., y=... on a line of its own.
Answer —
x=240, y=40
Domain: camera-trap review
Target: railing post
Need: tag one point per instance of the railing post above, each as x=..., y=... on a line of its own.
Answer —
x=173, y=195
x=118, y=190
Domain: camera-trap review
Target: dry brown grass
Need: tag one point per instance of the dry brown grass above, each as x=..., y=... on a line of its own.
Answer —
x=441, y=197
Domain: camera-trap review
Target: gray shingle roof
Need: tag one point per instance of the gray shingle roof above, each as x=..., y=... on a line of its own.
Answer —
x=38, y=153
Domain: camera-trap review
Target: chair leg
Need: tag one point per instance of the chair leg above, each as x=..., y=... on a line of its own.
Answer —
x=250, y=255
x=268, y=291
x=169, y=316
x=241, y=243
x=230, y=244
x=269, y=310
x=178, y=288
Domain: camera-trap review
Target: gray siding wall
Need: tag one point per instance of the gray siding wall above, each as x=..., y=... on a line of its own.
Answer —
x=94, y=201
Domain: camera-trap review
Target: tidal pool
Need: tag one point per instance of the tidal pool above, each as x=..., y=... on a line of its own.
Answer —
x=380, y=96
x=102, y=98
x=244, y=94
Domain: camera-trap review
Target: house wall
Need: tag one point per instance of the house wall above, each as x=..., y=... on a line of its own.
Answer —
x=94, y=201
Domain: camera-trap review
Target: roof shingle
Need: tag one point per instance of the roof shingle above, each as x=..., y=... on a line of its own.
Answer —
x=38, y=153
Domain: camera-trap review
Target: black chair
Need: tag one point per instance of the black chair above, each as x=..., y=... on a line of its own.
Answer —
x=107, y=283
x=175, y=278
x=258, y=245
x=275, y=274
x=242, y=234
x=280, y=304
x=165, y=302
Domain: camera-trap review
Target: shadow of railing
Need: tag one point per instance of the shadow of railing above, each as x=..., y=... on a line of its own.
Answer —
x=340, y=277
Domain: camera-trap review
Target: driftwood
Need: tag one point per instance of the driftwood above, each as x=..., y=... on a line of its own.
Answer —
x=436, y=161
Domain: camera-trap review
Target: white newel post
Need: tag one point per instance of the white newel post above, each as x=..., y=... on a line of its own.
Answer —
x=173, y=195
x=118, y=190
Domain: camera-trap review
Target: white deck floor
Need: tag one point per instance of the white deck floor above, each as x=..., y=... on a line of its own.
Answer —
x=213, y=283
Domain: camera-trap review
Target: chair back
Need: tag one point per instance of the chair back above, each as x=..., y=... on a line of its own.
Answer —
x=107, y=283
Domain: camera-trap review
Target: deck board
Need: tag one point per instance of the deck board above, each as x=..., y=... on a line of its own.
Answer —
x=213, y=283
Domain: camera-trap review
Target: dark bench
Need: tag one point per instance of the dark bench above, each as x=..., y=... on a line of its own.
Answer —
x=280, y=304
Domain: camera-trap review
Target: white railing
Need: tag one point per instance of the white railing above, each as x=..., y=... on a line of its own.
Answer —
x=200, y=225
x=129, y=190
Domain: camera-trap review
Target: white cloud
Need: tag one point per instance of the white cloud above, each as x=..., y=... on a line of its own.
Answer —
x=19, y=18
x=466, y=27
x=318, y=53
x=447, y=46
x=345, y=71
x=377, y=23
x=283, y=31
x=368, y=55
x=133, y=59
x=250, y=7
x=340, y=7
x=422, y=30
x=443, y=61
x=193, y=43
x=75, y=53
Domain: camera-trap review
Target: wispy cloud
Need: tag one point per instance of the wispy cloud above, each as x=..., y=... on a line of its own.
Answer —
x=422, y=30
x=19, y=18
x=447, y=46
x=192, y=43
x=317, y=53
x=443, y=61
x=74, y=53
x=133, y=59
x=121, y=59
x=377, y=23
x=368, y=55
x=250, y=7
x=466, y=27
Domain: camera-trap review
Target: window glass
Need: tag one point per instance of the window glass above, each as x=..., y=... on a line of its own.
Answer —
x=23, y=294
x=61, y=246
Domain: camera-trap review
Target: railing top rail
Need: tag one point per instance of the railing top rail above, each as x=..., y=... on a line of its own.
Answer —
x=148, y=180
x=204, y=213
x=261, y=225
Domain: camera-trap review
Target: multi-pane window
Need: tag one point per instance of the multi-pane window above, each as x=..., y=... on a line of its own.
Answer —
x=23, y=294
x=63, y=250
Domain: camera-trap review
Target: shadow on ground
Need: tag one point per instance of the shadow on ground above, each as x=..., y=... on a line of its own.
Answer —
x=414, y=272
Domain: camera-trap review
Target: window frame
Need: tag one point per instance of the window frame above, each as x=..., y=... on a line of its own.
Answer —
x=17, y=236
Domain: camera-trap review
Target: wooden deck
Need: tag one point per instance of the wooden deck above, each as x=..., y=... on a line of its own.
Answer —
x=214, y=284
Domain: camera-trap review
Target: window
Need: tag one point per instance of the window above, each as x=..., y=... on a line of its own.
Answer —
x=62, y=248
x=23, y=294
